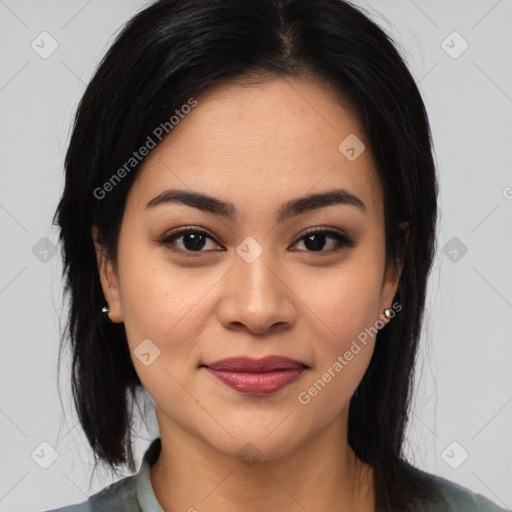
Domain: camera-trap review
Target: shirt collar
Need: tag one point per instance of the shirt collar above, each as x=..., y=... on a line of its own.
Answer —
x=145, y=494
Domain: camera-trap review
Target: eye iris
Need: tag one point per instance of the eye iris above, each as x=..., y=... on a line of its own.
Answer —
x=310, y=244
x=193, y=241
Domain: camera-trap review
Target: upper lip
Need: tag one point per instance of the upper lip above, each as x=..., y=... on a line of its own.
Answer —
x=251, y=365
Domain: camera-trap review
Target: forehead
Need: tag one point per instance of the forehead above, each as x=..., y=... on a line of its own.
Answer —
x=257, y=139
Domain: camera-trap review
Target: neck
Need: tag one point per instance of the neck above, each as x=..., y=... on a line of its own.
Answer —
x=322, y=474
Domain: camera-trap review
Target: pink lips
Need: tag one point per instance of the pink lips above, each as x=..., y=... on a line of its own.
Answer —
x=256, y=376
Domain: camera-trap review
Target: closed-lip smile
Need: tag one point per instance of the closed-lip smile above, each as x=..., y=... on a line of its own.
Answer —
x=258, y=377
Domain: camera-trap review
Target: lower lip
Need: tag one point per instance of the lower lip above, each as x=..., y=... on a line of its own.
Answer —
x=257, y=384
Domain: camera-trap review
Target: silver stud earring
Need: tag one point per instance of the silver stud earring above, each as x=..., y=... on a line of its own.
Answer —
x=106, y=311
x=387, y=313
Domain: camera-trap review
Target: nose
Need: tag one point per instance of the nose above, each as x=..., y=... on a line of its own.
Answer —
x=258, y=296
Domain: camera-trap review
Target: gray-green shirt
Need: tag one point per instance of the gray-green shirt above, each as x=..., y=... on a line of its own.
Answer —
x=135, y=494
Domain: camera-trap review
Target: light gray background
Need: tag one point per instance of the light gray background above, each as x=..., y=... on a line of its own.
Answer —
x=464, y=385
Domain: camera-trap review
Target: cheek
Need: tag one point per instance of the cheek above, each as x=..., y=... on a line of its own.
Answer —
x=169, y=306
x=343, y=343
x=158, y=299
x=346, y=302
x=161, y=304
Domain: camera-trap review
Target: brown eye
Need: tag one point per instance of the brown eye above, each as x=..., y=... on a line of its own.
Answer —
x=192, y=240
x=314, y=241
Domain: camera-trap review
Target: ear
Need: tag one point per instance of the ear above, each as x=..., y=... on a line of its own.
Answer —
x=108, y=278
x=393, y=272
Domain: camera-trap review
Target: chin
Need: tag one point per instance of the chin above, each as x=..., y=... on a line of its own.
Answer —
x=256, y=445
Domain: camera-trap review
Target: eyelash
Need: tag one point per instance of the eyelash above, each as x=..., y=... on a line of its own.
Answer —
x=342, y=240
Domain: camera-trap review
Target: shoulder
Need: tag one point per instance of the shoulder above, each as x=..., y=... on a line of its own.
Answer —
x=463, y=499
x=453, y=497
x=116, y=497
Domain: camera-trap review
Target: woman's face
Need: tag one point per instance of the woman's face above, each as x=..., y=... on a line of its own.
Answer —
x=257, y=283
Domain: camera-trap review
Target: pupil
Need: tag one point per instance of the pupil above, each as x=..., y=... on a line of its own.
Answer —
x=313, y=246
x=192, y=241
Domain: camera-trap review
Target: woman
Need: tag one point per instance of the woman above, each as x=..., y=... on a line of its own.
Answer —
x=248, y=225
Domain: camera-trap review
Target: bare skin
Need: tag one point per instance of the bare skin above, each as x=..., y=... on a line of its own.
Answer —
x=256, y=146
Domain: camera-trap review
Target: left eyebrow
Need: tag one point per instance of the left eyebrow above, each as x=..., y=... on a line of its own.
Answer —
x=228, y=210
